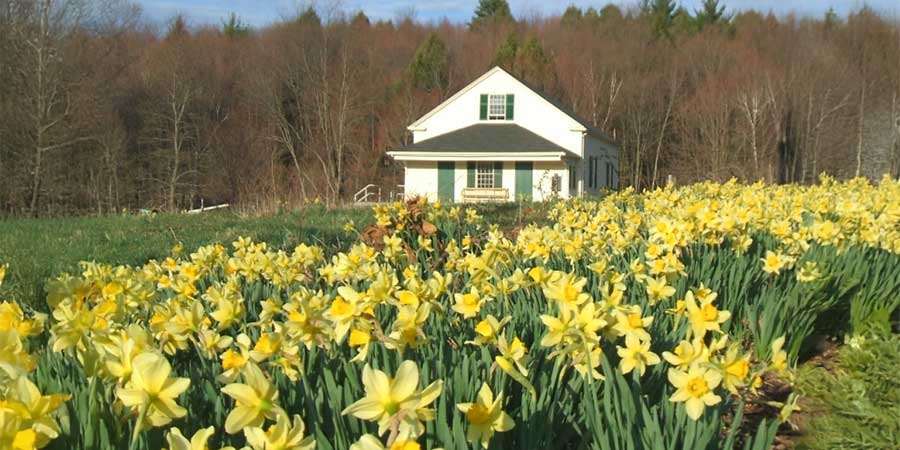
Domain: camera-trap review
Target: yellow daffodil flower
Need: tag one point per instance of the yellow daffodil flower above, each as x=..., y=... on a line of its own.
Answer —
x=636, y=355
x=254, y=401
x=695, y=388
x=151, y=392
x=283, y=435
x=485, y=416
x=388, y=398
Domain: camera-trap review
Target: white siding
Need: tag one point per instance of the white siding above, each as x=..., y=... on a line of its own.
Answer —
x=509, y=179
x=459, y=180
x=543, y=176
x=420, y=179
x=530, y=112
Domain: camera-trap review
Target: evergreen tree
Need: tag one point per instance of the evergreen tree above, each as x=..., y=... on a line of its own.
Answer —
x=310, y=17
x=831, y=18
x=683, y=23
x=711, y=13
x=610, y=12
x=234, y=27
x=533, y=64
x=430, y=65
x=571, y=17
x=528, y=61
x=591, y=17
x=178, y=28
x=491, y=11
x=360, y=20
x=662, y=16
x=505, y=56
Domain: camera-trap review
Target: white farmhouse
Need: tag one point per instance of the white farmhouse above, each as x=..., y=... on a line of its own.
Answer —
x=499, y=139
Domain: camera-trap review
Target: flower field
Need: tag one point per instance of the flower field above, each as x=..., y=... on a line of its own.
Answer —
x=671, y=319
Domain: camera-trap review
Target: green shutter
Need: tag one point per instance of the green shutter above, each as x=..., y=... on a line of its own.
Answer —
x=498, y=174
x=510, y=106
x=484, y=106
x=445, y=178
x=470, y=174
x=524, y=182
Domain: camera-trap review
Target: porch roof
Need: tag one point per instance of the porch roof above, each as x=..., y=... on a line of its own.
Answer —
x=485, y=141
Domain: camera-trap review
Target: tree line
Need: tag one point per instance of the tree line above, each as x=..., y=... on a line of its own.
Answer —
x=100, y=111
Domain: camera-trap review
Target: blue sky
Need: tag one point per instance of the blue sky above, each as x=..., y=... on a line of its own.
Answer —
x=262, y=12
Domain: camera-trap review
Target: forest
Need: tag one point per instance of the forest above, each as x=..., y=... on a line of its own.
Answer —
x=103, y=111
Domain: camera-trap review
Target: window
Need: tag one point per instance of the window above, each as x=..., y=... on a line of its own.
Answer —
x=573, y=179
x=497, y=107
x=484, y=175
x=556, y=184
x=593, y=169
x=609, y=175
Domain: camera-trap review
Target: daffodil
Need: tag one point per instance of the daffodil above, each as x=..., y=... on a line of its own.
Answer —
x=198, y=441
x=396, y=398
x=283, y=435
x=360, y=340
x=630, y=322
x=468, y=304
x=695, y=388
x=369, y=442
x=487, y=330
x=636, y=355
x=35, y=409
x=687, y=353
x=735, y=369
x=773, y=263
x=485, y=416
x=658, y=289
x=779, y=356
x=254, y=401
x=151, y=393
x=12, y=435
x=566, y=288
x=704, y=317
x=342, y=313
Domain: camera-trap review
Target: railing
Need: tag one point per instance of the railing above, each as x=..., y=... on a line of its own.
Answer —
x=365, y=194
x=400, y=194
x=485, y=194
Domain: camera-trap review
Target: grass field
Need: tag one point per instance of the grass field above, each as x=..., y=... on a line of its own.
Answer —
x=37, y=249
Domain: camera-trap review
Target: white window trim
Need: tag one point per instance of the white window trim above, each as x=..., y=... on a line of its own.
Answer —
x=491, y=103
x=484, y=174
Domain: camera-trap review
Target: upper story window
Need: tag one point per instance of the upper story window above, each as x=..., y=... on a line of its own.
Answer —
x=497, y=107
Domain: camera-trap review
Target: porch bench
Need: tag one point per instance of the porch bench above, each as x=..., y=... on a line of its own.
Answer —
x=479, y=195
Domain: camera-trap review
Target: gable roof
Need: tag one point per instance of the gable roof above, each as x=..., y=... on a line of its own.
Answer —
x=487, y=138
x=556, y=103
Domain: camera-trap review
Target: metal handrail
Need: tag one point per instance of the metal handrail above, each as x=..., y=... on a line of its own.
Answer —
x=363, y=194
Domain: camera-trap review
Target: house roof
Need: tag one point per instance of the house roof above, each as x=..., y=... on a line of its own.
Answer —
x=487, y=138
x=556, y=103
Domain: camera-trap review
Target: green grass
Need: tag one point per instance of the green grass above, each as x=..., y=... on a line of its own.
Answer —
x=39, y=249
x=856, y=403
